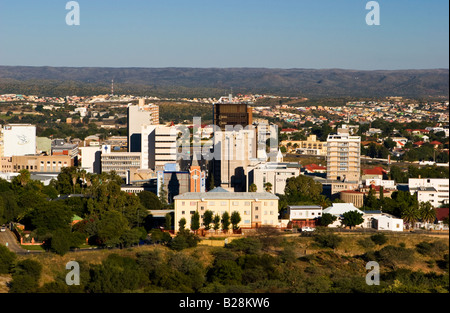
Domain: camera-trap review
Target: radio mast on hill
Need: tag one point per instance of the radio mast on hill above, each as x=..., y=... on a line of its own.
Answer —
x=112, y=87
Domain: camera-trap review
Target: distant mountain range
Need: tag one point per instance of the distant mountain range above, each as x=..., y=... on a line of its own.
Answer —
x=215, y=82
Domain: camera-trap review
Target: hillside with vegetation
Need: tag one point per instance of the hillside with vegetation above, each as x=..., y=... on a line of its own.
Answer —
x=214, y=82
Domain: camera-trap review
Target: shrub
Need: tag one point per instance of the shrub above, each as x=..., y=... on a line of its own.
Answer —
x=6, y=259
x=247, y=245
x=184, y=239
x=366, y=243
x=379, y=239
x=328, y=240
x=392, y=256
x=431, y=248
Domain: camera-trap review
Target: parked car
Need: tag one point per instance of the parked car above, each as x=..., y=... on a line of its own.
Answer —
x=307, y=228
x=2, y=229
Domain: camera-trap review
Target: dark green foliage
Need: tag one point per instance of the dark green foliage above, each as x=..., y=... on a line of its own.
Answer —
x=352, y=218
x=149, y=200
x=432, y=249
x=379, y=239
x=184, y=239
x=26, y=277
x=158, y=236
x=407, y=281
x=195, y=221
x=326, y=219
x=225, y=221
x=115, y=274
x=225, y=272
x=207, y=219
x=235, y=220
x=302, y=189
x=328, y=240
x=366, y=243
x=392, y=256
x=182, y=224
x=248, y=245
x=7, y=259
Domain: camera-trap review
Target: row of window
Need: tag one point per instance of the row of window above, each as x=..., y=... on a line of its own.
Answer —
x=222, y=212
x=225, y=203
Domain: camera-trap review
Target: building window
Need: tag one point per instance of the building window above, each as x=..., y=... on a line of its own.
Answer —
x=223, y=203
x=183, y=212
x=235, y=203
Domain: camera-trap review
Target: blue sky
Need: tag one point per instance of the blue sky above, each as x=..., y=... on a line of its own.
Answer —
x=226, y=33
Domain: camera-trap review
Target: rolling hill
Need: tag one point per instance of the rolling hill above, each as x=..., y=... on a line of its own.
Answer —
x=215, y=82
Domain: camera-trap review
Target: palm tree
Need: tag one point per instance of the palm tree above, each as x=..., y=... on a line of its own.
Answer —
x=324, y=202
x=426, y=212
x=410, y=215
x=268, y=187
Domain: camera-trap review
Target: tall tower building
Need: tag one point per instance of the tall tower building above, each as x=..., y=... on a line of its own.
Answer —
x=227, y=112
x=138, y=116
x=159, y=146
x=343, y=156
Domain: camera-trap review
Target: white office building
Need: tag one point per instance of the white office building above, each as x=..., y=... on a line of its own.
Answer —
x=159, y=146
x=433, y=190
x=274, y=173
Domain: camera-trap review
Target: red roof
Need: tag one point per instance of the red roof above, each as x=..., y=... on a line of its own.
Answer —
x=419, y=143
x=435, y=143
x=441, y=213
x=289, y=130
x=314, y=167
x=375, y=171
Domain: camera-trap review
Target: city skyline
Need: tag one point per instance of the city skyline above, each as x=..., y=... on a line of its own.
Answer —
x=205, y=34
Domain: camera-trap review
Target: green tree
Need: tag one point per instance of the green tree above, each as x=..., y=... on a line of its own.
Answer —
x=216, y=222
x=326, y=219
x=352, y=218
x=163, y=196
x=7, y=259
x=182, y=224
x=252, y=188
x=149, y=200
x=426, y=212
x=183, y=240
x=302, y=188
x=235, y=220
x=207, y=219
x=195, y=221
x=225, y=221
x=410, y=215
x=26, y=275
x=268, y=187
x=168, y=221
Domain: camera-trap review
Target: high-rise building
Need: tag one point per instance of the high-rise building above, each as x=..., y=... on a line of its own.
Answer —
x=227, y=112
x=236, y=149
x=343, y=156
x=159, y=146
x=138, y=116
